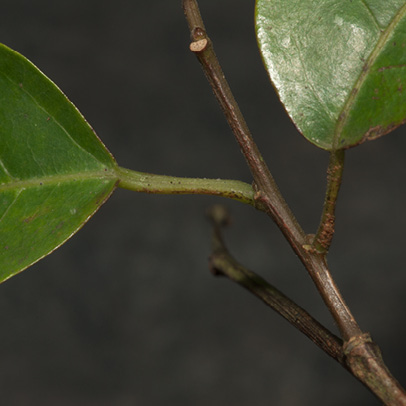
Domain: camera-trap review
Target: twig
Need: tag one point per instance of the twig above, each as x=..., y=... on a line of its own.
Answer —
x=268, y=195
x=325, y=233
x=366, y=365
x=223, y=263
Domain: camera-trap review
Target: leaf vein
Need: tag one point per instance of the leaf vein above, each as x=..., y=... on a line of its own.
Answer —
x=372, y=14
x=5, y=169
x=53, y=179
x=391, y=67
x=11, y=204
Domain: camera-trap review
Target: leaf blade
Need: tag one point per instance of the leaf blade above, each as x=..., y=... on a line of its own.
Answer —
x=316, y=53
x=44, y=215
x=54, y=171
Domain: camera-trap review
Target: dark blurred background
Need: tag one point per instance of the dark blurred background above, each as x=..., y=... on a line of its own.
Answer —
x=126, y=312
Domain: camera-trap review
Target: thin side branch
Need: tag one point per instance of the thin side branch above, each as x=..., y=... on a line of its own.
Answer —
x=222, y=263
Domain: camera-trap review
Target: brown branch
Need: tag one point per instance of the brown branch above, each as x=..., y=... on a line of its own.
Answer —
x=203, y=48
x=268, y=196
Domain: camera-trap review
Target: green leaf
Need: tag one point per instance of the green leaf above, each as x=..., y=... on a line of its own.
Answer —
x=54, y=171
x=339, y=66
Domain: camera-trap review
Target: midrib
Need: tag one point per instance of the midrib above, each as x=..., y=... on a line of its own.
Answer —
x=57, y=179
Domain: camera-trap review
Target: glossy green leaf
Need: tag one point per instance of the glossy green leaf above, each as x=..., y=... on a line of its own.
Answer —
x=339, y=66
x=54, y=171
